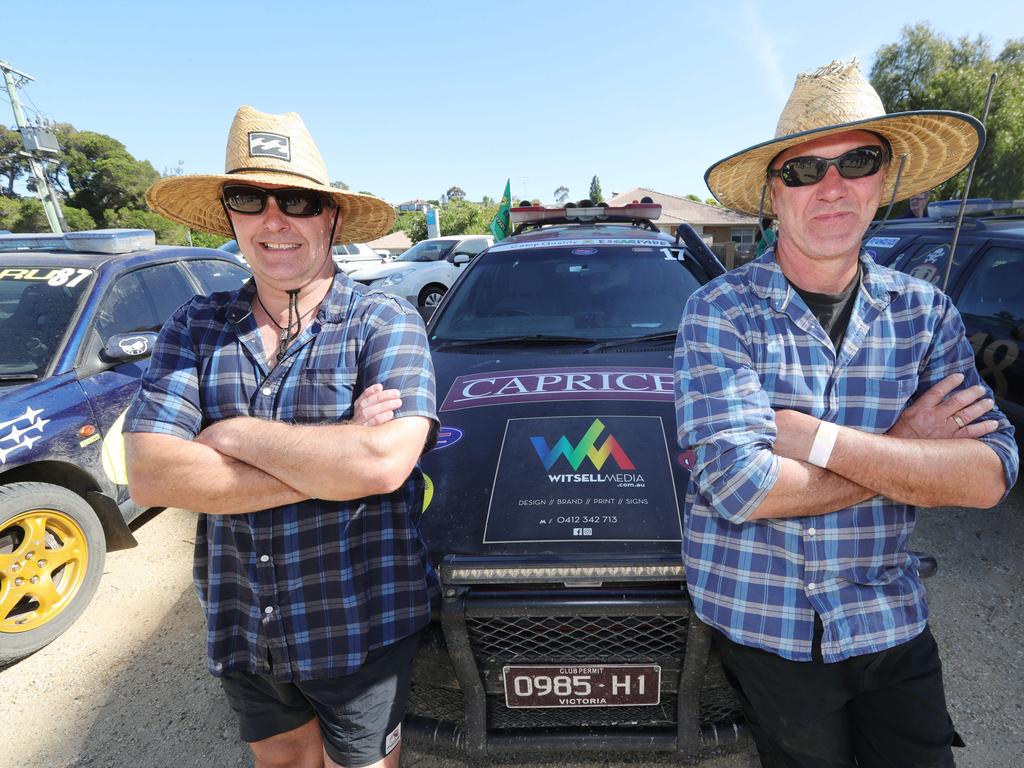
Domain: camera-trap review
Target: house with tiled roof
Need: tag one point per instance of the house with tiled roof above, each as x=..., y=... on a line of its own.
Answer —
x=717, y=225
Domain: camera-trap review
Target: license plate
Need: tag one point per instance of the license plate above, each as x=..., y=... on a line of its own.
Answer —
x=595, y=685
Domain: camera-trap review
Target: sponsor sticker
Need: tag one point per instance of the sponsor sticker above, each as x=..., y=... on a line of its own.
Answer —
x=577, y=478
x=552, y=384
x=584, y=251
x=447, y=437
x=134, y=345
x=23, y=431
x=881, y=242
x=532, y=244
x=89, y=441
x=54, y=277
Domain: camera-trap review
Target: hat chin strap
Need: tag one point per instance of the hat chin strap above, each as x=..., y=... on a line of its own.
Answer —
x=872, y=229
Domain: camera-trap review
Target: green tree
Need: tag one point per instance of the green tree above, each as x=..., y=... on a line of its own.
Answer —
x=77, y=219
x=454, y=193
x=712, y=201
x=12, y=165
x=167, y=232
x=207, y=240
x=10, y=211
x=339, y=184
x=926, y=70
x=693, y=197
x=31, y=216
x=562, y=194
x=595, y=191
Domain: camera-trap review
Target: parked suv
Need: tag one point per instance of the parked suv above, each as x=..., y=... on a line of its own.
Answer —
x=425, y=272
x=986, y=282
x=78, y=314
x=553, y=504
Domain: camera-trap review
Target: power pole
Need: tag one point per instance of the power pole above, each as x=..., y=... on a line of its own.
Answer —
x=35, y=140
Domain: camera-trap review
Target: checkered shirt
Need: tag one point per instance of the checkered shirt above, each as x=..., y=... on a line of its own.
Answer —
x=340, y=578
x=748, y=345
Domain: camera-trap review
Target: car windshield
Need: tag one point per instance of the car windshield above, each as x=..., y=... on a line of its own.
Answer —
x=601, y=294
x=36, y=306
x=428, y=250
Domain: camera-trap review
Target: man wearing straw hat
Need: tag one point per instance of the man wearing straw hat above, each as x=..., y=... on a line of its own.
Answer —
x=826, y=398
x=309, y=563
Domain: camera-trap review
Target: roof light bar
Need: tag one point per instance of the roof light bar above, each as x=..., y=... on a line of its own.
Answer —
x=945, y=209
x=535, y=213
x=110, y=241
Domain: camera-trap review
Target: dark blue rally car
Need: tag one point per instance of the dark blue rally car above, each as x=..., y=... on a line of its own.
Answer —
x=986, y=282
x=78, y=315
x=554, y=497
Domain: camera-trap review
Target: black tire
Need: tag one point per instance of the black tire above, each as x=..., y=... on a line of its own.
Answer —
x=431, y=295
x=66, y=560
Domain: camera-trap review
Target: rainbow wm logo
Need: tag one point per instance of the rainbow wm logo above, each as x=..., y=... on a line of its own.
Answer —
x=586, y=448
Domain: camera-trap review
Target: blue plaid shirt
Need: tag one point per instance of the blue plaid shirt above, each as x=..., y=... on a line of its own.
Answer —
x=341, y=577
x=748, y=345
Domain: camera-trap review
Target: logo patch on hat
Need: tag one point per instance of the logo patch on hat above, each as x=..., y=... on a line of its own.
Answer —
x=270, y=145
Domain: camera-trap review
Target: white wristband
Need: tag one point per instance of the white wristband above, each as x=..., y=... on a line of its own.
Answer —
x=824, y=441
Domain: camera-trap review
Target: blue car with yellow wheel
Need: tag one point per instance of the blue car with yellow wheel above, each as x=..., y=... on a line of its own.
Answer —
x=79, y=314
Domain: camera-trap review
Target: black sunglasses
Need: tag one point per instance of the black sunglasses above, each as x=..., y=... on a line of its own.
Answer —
x=855, y=164
x=292, y=202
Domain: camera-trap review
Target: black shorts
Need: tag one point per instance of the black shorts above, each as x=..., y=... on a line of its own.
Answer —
x=881, y=710
x=360, y=714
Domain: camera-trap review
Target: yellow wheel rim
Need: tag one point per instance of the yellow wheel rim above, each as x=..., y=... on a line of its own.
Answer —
x=43, y=562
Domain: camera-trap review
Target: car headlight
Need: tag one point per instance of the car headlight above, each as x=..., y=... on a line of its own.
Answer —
x=393, y=279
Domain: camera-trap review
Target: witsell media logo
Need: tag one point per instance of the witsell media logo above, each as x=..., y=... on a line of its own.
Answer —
x=586, y=448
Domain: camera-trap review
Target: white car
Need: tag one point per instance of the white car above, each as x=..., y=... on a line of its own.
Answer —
x=425, y=272
x=349, y=257
x=352, y=256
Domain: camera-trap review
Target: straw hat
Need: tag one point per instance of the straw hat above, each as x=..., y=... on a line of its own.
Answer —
x=267, y=149
x=837, y=98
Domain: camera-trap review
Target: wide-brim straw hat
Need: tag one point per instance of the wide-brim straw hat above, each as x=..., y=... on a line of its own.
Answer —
x=836, y=98
x=267, y=149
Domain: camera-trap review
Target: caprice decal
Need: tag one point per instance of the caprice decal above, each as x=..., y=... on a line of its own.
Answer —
x=596, y=383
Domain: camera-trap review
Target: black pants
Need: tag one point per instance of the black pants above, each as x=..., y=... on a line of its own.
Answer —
x=881, y=710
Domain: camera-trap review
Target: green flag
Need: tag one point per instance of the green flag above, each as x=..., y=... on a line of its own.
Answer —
x=500, y=226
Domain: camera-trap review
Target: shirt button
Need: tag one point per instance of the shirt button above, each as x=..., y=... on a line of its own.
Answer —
x=810, y=588
x=268, y=391
x=268, y=610
x=264, y=558
x=810, y=531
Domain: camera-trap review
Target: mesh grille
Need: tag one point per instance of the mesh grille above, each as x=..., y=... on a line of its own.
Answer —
x=579, y=639
x=501, y=717
x=436, y=702
x=718, y=702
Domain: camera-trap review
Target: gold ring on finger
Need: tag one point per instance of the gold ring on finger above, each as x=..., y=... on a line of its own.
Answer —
x=958, y=420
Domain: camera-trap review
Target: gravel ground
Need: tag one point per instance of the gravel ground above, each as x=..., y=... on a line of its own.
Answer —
x=127, y=685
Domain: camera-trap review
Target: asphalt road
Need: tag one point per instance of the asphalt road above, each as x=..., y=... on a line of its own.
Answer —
x=127, y=685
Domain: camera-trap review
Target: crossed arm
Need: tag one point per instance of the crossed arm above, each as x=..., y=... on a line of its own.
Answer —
x=926, y=459
x=246, y=464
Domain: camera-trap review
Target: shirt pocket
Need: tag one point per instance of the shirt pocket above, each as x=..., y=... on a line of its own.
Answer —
x=323, y=395
x=874, y=405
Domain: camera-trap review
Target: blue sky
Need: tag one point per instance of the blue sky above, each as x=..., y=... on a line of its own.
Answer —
x=406, y=99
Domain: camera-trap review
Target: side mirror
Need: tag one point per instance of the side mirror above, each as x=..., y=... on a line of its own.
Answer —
x=461, y=258
x=128, y=347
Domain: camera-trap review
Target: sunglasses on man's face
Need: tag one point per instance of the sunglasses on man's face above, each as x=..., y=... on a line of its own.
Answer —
x=855, y=164
x=292, y=202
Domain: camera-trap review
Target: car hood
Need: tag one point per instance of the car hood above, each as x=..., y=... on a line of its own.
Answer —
x=377, y=271
x=557, y=457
